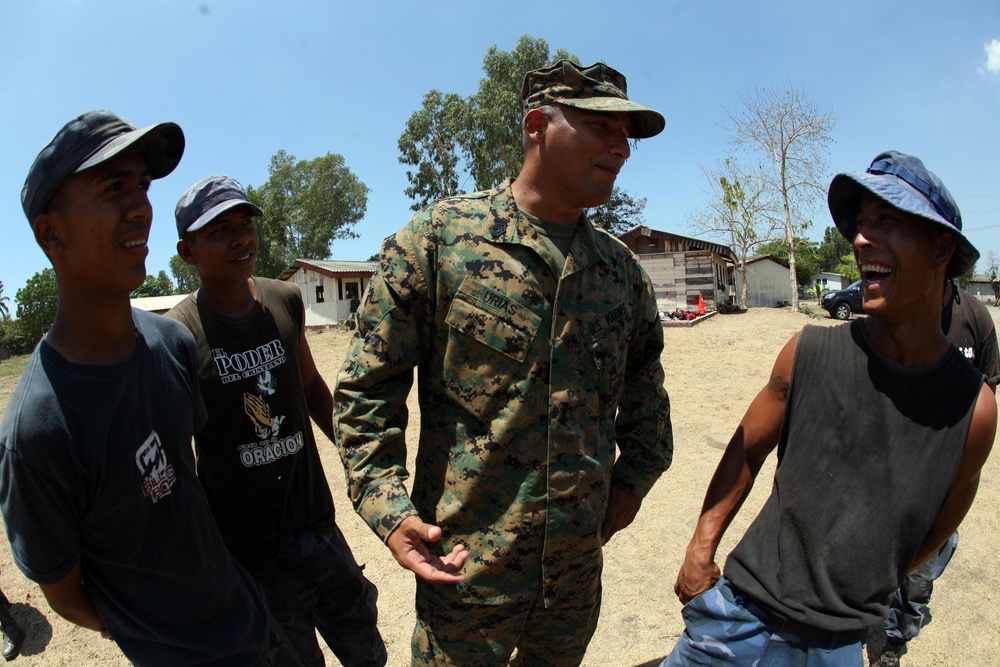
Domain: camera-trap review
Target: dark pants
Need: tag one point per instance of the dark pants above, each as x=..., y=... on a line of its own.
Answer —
x=315, y=584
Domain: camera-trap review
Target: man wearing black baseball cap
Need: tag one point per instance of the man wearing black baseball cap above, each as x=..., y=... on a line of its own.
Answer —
x=257, y=455
x=97, y=481
x=882, y=426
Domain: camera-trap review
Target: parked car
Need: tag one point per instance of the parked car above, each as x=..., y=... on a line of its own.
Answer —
x=842, y=302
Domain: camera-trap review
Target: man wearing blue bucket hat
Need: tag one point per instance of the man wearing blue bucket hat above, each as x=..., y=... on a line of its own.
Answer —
x=881, y=426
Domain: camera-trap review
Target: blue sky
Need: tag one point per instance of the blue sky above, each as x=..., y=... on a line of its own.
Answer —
x=245, y=79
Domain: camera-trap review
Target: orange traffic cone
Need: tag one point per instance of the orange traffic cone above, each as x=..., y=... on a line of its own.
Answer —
x=701, y=305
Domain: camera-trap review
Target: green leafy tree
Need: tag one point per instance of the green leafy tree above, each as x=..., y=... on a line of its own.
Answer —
x=740, y=210
x=4, y=308
x=832, y=250
x=791, y=135
x=620, y=214
x=430, y=145
x=186, y=277
x=452, y=140
x=492, y=142
x=848, y=268
x=12, y=341
x=307, y=204
x=36, y=305
x=160, y=285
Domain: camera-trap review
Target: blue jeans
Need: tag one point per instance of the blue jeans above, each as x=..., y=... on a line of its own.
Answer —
x=724, y=627
x=908, y=607
x=315, y=584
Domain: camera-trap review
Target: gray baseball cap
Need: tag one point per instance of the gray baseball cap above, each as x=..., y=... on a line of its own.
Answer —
x=904, y=182
x=206, y=200
x=89, y=140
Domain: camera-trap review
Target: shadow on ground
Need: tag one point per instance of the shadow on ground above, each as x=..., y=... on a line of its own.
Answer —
x=37, y=630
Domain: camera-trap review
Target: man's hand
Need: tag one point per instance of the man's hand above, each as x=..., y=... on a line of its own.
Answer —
x=622, y=508
x=408, y=548
x=695, y=578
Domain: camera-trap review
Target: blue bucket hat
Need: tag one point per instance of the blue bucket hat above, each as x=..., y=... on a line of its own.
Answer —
x=904, y=182
x=89, y=140
x=206, y=200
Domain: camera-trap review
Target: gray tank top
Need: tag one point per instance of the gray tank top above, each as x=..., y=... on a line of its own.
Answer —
x=864, y=468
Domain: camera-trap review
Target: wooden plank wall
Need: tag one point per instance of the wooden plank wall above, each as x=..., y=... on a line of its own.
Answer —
x=678, y=277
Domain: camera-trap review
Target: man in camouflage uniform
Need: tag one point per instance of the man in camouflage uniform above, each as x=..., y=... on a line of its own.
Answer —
x=526, y=323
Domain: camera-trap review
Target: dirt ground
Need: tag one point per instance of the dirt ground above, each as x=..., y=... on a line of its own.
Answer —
x=713, y=371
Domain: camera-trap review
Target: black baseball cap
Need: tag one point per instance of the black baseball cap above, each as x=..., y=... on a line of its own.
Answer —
x=208, y=199
x=89, y=140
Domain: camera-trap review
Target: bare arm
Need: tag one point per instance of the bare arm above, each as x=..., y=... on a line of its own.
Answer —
x=754, y=440
x=69, y=599
x=318, y=398
x=978, y=443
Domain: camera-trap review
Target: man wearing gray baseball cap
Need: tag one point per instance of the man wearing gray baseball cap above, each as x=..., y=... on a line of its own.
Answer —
x=97, y=481
x=882, y=427
x=257, y=454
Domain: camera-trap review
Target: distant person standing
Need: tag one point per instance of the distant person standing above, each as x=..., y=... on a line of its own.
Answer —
x=257, y=455
x=969, y=325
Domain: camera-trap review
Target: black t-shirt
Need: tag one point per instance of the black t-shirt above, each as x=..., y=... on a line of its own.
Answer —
x=257, y=456
x=968, y=324
x=96, y=468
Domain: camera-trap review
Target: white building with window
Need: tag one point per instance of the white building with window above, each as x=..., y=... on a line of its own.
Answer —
x=331, y=289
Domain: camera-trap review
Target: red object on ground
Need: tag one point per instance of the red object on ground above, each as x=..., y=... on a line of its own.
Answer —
x=701, y=305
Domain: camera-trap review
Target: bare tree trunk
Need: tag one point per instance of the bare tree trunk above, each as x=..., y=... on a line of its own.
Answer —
x=745, y=290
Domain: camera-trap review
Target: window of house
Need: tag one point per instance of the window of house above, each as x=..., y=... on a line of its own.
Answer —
x=319, y=294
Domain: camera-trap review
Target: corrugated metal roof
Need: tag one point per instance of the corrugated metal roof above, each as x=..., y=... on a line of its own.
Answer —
x=330, y=267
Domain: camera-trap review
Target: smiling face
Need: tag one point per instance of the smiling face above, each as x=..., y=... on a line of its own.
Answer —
x=583, y=152
x=225, y=250
x=902, y=258
x=96, y=226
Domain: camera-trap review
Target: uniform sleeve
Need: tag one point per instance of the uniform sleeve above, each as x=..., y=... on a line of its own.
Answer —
x=642, y=427
x=370, y=413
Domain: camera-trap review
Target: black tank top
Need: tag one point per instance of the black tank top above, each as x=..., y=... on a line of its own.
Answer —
x=864, y=467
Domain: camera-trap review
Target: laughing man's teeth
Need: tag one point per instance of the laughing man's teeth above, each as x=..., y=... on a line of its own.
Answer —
x=132, y=244
x=875, y=268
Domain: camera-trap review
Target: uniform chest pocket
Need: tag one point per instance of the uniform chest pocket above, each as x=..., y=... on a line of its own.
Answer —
x=608, y=339
x=489, y=335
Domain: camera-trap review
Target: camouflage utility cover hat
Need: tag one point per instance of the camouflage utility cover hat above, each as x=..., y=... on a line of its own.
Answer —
x=89, y=140
x=598, y=88
x=208, y=199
